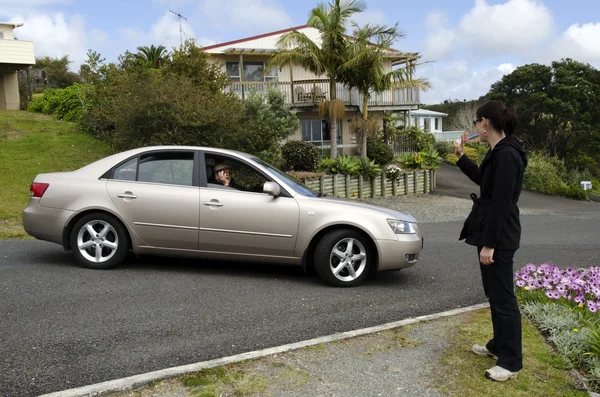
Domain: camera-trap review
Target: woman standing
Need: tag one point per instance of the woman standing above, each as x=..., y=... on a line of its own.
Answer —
x=493, y=226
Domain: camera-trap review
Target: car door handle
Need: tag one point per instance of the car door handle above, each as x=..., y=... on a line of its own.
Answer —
x=127, y=195
x=213, y=203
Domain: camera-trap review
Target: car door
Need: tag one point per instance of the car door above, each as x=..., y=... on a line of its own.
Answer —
x=241, y=219
x=157, y=194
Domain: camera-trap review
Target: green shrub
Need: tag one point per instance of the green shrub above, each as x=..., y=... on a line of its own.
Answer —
x=347, y=165
x=300, y=155
x=65, y=103
x=412, y=161
x=431, y=158
x=573, y=192
x=443, y=148
x=369, y=168
x=470, y=152
x=542, y=175
x=422, y=140
x=378, y=151
x=325, y=165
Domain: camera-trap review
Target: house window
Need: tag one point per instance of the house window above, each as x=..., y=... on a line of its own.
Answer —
x=317, y=131
x=253, y=71
x=437, y=124
x=427, y=126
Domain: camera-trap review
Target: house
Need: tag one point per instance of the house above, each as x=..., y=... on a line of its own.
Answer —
x=245, y=63
x=431, y=121
x=15, y=55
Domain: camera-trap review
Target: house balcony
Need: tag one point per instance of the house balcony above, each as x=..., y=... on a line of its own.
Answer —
x=16, y=54
x=308, y=93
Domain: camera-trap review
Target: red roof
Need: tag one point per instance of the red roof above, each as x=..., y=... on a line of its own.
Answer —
x=260, y=36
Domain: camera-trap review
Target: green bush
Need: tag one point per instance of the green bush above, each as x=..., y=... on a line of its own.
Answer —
x=470, y=152
x=411, y=161
x=422, y=140
x=369, y=168
x=431, y=158
x=347, y=165
x=300, y=155
x=378, y=151
x=542, y=175
x=443, y=148
x=64, y=103
x=325, y=165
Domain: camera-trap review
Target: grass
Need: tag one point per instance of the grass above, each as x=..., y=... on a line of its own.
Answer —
x=545, y=372
x=31, y=144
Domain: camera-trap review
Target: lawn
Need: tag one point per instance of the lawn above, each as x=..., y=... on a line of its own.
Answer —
x=30, y=144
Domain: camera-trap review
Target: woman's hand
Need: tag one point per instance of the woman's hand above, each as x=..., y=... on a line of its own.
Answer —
x=486, y=256
x=459, y=148
x=223, y=177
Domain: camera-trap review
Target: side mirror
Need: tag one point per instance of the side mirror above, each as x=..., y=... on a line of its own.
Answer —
x=272, y=189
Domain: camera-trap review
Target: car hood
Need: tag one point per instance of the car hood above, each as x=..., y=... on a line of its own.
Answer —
x=360, y=206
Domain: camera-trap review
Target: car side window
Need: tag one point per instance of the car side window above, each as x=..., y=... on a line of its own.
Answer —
x=127, y=171
x=173, y=168
x=242, y=177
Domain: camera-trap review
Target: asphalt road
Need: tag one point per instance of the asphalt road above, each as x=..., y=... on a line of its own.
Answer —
x=62, y=326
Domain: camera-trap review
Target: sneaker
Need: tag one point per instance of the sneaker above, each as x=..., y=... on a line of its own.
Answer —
x=483, y=351
x=500, y=374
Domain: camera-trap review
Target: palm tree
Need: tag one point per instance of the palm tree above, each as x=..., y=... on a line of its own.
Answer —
x=365, y=71
x=327, y=59
x=152, y=55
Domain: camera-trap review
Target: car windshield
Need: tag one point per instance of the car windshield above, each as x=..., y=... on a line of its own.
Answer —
x=297, y=186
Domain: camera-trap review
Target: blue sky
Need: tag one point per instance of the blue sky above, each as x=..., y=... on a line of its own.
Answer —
x=471, y=43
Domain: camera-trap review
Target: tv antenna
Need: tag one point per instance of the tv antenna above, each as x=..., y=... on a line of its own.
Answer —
x=179, y=16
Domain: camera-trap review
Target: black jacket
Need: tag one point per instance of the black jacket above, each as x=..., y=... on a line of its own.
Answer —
x=494, y=219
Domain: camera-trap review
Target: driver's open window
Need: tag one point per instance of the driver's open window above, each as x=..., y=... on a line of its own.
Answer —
x=242, y=176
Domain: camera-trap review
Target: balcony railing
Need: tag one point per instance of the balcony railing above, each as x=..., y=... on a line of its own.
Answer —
x=311, y=92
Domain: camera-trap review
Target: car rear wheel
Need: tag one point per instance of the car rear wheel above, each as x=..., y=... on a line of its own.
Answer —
x=343, y=258
x=99, y=241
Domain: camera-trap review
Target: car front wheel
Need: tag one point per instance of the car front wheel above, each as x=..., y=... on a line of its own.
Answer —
x=343, y=258
x=99, y=241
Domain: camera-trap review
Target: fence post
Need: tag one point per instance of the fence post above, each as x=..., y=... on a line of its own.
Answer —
x=360, y=187
x=347, y=186
x=405, y=184
x=394, y=183
x=426, y=180
x=383, y=183
x=373, y=187
x=416, y=174
x=335, y=189
x=322, y=184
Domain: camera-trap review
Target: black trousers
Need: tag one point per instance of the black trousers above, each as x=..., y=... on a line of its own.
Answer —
x=506, y=318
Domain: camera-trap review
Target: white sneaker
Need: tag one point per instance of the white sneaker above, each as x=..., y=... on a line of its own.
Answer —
x=483, y=351
x=500, y=374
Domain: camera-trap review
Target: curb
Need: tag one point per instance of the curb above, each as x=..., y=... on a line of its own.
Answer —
x=132, y=382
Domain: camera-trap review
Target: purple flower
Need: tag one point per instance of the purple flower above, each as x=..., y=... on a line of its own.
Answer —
x=520, y=283
x=592, y=306
x=580, y=299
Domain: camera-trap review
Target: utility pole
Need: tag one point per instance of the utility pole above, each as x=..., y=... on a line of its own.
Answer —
x=179, y=16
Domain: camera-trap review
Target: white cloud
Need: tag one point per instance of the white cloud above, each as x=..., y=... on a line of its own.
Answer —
x=515, y=26
x=56, y=35
x=259, y=15
x=371, y=17
x=459, y=80
x=579, y=42
x=166, y=31
x=440, y=38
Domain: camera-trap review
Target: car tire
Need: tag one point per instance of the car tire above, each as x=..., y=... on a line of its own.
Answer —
x=343, y=258
x=99, y=241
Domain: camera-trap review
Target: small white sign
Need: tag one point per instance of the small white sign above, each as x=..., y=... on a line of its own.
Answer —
x=586, y=185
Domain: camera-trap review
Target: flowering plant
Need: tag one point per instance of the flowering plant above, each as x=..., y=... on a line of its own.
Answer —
x=581, y=286
x=393, y=171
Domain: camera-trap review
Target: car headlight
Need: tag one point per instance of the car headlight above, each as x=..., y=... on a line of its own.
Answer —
x=402, y=227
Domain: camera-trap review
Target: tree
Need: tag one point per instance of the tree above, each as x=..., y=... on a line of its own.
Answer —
x=463, y=117
x=327, y=59
x=56, y=72
x=365, y=68
x=154, y=56
x=557, y=108
x=268, y=121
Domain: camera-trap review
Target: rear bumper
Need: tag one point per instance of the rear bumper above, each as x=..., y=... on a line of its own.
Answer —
x=45, y=223
x=401, y=253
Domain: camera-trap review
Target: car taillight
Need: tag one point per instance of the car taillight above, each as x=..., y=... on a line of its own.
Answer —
x=38, y=189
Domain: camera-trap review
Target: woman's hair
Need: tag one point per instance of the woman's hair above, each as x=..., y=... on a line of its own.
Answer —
x=502, y=117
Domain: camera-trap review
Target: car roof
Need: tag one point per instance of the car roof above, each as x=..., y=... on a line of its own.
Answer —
x=101, y=166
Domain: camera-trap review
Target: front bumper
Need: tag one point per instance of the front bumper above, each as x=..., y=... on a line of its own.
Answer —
x=45, y=223
x=401, y=253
